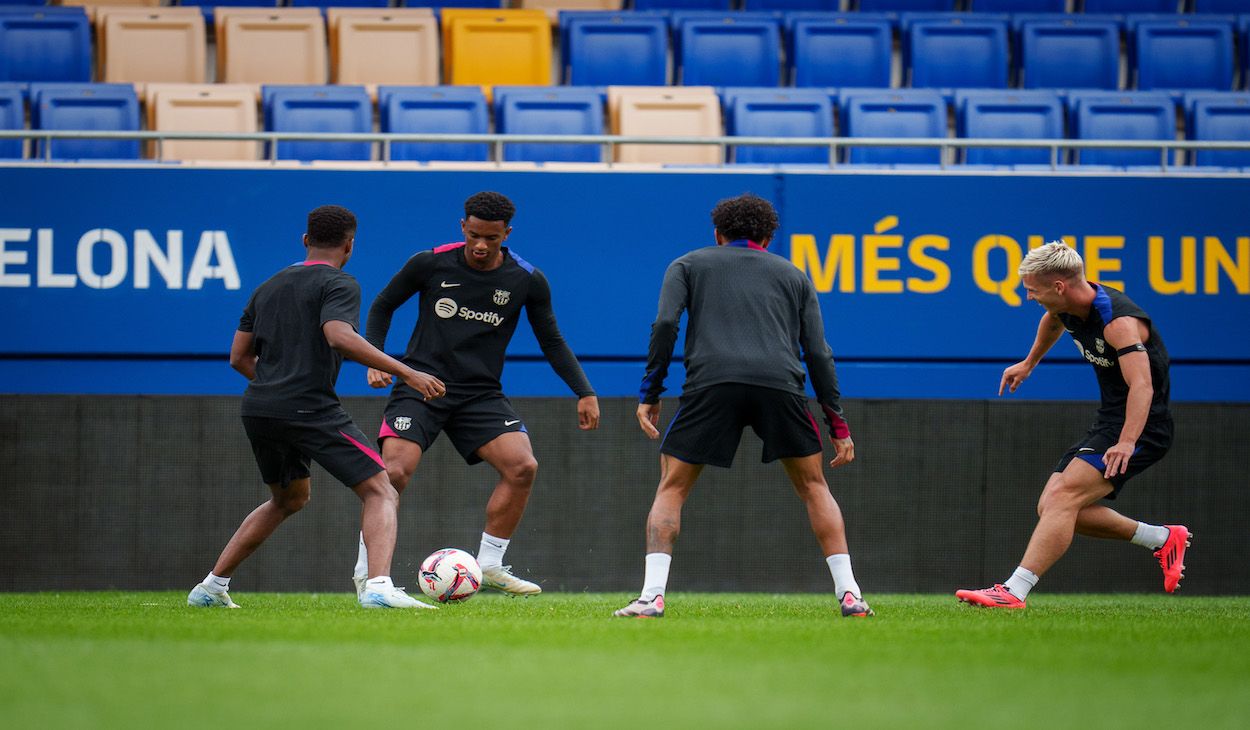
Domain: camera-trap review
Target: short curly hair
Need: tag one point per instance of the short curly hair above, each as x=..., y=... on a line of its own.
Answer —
x=746, y=216
x=331, y=226
x=489, y=206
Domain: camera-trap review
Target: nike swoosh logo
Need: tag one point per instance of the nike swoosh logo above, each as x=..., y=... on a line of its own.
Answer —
x=509, y=423
x=448, y=286
x=1084, y=451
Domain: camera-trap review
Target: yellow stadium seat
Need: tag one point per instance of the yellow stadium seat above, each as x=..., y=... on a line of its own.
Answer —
x=139, y=44
x=664, y=112
x=384, y=46
x=204, y=108
x=271, y=45
x=496, y=47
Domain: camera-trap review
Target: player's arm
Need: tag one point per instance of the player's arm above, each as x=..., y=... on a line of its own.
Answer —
x=407, y=281
x=820, y=367
x=1048, y=332
x=542, y=319
x=674, y=298
x=243, y=354
x=344, y=339
x=1127, y=335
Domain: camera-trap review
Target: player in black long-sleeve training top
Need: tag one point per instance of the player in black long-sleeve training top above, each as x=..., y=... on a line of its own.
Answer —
x=471, y=296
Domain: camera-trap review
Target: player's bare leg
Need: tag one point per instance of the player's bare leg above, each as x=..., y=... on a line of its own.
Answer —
x=379, y=523
x=401, y=458
x=808, y=477
x=1078, y=486
x=255, y=529
x=677, y=479
x=1167, y=541
x=512, y=457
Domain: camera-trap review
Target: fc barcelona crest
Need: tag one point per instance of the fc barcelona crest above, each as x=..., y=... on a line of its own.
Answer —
x=502, y=297
x=403, y=423
x=1102, y=346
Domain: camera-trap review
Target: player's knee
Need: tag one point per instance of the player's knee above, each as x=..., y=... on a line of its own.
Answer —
x=398, y=476
x=377, y=487
x=523, y=473
x=1058, y=495
x=291, y=501
x=809, y=489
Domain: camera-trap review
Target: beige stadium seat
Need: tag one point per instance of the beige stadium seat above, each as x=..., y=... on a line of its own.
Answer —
x=204, y=108
x=553, y=7
x=384, y=46
x=616, y=93
x=271, y=46
x=141, y=45
x=665, y=114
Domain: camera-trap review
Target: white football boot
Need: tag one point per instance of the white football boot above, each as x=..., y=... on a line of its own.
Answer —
x=500, y=578
x=388, y=596
x=201, y=597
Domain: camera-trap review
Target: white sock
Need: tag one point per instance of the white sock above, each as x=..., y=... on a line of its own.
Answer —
x=656, y=579
x=490, y=552
x=843, y=576
x=215, y=583
x=1021, y=582
x=380, y=583
x=362, y=559
x=1150, y=536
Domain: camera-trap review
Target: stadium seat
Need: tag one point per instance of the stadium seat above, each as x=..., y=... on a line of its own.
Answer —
x=111, y=4
x=779, y=113
x=103, y=107
x=660, y=112
x=897, y=113
x=793, y=5
x=1018, y=6
x=556, y=6
x=12, y=116
x=550, y=110
x=906, y=6
x=139, y=44
x=338, y=3
x=262, y=46
x=728, y=51
x=957, y=51
x=435, y=110
x=458, y=4
x=1221, y=6
x=1070, y=52
x=339, y=109
x=1183, y=53
x=1130, y=115
x=1219, y=116
x=203, y=108
x=384, y=46
x=1132, y=6
x=44, y=44
x=682, y=4
x=1008, y=115
x=841, y=51
x=616, y=48
x=1243, y=35
x=500, y=47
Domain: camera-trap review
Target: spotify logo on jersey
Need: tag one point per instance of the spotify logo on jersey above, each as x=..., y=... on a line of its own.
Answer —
x=445, y=308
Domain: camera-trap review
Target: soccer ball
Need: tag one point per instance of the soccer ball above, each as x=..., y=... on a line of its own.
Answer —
x=450, y=575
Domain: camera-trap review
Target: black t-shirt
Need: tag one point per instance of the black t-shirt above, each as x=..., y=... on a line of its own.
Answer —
x=1110, y=304
x=467, y=318
x=297, y=368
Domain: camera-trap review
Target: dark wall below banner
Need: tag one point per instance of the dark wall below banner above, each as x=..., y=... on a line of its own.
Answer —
x=143, y=492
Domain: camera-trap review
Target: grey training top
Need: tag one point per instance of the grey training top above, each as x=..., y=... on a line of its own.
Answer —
x=753, y=318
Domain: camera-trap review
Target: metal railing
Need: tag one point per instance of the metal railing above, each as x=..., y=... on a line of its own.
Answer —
x=610, y=142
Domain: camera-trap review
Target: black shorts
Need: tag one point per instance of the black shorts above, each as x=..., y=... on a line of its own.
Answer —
x=708, y=424
x=1154, y=442
x=284, y=448
x=471, y=419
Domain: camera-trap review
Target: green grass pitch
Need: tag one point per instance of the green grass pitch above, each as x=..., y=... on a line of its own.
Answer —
x=146, y=660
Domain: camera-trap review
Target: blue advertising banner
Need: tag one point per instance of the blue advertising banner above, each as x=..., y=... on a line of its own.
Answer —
x=131, y=280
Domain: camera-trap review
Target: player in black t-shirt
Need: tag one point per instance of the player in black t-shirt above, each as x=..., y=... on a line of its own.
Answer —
x=471, y=296
x=293, y=335
x=1133, y=429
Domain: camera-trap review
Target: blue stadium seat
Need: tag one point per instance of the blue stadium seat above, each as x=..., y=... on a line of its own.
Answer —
x=435, y=110
x=1219, y=116
x=1221, y=6
x=341, y=109
x=104, y=107
x=1132, y=6
x=957, y=51
x=550, y=110
x=1183, y=53
x=1243, y=33
x=615, y=48
x=12, y=116
x=682, y=4
x=779, y=113
x=906, y=6
x=1008, y=115
x=897, y=113
x=790, y=5
x=1128, y=115
x=1019, y=6
x=842, y=51
x=1070, y=52
x=45, y=44
x=729, y=51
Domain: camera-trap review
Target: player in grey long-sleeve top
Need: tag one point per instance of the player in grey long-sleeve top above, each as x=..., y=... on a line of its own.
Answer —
x=753, y=322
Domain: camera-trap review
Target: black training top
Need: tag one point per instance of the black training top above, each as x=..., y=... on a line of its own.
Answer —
x=467, y=318
x=1112, y=304
x=297, y=368
x=753, y=318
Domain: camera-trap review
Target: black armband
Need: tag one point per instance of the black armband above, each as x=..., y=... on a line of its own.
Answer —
x=1135, y=347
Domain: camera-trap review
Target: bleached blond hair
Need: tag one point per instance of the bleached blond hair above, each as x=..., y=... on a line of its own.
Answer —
x=1056, y=259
